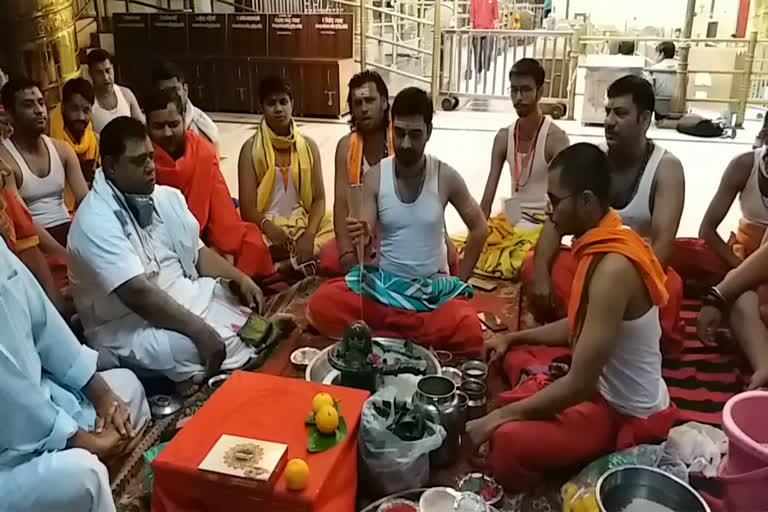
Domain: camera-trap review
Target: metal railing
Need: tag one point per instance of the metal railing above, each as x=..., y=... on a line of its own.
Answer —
x=475, y=63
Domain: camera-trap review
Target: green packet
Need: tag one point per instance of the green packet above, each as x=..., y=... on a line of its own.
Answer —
x=256, y=330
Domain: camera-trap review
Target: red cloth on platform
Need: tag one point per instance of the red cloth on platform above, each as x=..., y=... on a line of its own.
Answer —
x=453, y=326
x=522, y=452
x=694, y=259
x=198, y=177
x=564, y=270
x=262, y=407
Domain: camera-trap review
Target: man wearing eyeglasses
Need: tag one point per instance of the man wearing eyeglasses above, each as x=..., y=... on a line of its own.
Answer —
x=609, y=393
x=527, y=146
x=647, y=191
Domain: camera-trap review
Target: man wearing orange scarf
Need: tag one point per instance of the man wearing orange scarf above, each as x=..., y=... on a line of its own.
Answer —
x=188, y=162
x=611, y=394
x=368, y=142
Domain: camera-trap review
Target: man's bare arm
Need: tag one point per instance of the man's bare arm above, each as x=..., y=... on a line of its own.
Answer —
x=610, y=289
x=317, y=210
x=370, y=213
x=340, y=206
x=498, y=156
x=545, y=251
x=557, y=140
x=668, y=201
x=158, y=308
x=733, y=181
x=248, y=184
x=470, y=213
x=136, y=112
x=72, y=171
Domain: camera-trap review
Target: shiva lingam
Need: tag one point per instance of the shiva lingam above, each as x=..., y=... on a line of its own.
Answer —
x=353, y=358
x=361, y=359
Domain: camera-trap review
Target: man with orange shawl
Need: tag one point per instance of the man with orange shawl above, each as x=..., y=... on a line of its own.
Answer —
x=189, y=163
x=648, y=192
x=281, y=184
x=610, y=393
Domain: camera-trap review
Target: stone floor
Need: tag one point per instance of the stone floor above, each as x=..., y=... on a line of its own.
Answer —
x=464, y=139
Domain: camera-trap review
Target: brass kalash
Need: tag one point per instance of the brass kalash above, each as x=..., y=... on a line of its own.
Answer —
x=38, y=41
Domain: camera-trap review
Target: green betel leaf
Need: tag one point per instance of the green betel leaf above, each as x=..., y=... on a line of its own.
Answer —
x=317, y=442
x=310, y=418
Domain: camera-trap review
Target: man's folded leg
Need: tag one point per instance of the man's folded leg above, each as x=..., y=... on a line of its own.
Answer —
x=452, y=326
x=71, y=480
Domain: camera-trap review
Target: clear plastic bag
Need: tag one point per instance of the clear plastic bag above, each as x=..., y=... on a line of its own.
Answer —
x=389, y=464
x=579, y=493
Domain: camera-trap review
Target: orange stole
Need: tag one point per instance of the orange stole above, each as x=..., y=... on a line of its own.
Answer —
x=607, y=237
x=20, y=233
x=198, y=177
x=355, y=154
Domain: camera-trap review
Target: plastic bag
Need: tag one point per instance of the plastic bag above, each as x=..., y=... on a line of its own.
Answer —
x=579, y=493
x=698, y=446
x=387, y=463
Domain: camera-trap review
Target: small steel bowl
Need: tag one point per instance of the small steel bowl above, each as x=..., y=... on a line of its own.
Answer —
x=617, y=489
x=216, y=381
x=301, y=357
x=452, y=373
x=164, y=405
x=443, y=356
x=475, y=369
x=472, y=480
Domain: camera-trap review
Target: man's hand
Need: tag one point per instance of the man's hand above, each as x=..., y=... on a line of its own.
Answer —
x=305, y=247
x=105, y=444
x=541, y=295
x=347, y=261
x=276, y=235
x=708, y=323
x=113, y=413
x=212, y=349
x=495, y=347
x=249, y=293
x=358, y=230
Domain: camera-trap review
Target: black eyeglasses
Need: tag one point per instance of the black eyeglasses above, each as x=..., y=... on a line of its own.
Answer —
x=554, y=201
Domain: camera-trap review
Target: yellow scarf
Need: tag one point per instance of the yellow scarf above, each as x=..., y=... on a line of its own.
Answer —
x=86, y=149
x=264, y=143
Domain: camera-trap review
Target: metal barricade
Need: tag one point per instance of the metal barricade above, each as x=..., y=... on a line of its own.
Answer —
x=476, y=63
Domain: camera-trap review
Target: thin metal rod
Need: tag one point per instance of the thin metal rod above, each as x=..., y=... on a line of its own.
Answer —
x=746, y=80
x=401, y=16
x=436, y=53
x=400, y=45
x=363, y=36
x=678, y=100
x=398, y=72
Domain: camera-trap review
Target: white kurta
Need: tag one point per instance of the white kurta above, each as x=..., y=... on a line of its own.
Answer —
x=43, y=370
x=105, y=253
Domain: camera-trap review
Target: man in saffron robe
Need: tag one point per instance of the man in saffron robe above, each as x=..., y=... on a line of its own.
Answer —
x=410, y=293
x=648, y=193
x=281, y=183
x=188, y=162
x=612, y=395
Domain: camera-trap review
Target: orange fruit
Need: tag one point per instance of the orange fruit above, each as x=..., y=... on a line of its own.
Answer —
x=327, y=419
x=296, y=474
x=320, y=400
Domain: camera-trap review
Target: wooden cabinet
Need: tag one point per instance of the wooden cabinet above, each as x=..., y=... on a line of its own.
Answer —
x=325, y=86
x=247, y=35
x=168, y=34
x=201, y=78
x=234, y=85
x=131, y=34
x=207, y=35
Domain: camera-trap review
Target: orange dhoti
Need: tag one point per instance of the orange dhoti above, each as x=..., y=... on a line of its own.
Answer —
x=564, y=270
x=198, y=177
x=452, y=326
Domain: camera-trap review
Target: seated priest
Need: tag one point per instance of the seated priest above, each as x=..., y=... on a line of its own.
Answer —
x=410, y=293
x=145, y=286
x=281, y=183
x=741, y=301
x=612, y=395
x=62, y=420
x=746, y=178
x=166, y=76
x=188, y=162
x=19, y=233
x=648, y=192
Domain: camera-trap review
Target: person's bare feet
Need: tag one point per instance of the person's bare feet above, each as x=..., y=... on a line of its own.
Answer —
x=189, y=387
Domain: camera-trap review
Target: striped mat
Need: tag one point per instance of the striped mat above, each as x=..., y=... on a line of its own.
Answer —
x=702, y=377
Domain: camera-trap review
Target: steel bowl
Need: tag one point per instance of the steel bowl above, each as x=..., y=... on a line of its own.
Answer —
x=216, y=381
x=452, y=373
x=619, y=487
x=301, y=357
x=320, y=369
x=163, y=405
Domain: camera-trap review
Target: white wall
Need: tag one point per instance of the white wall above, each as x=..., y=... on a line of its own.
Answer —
x=666, y=14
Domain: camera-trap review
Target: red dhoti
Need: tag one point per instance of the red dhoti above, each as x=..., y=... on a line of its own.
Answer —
x=453, y=326
x=564, y=270
x=522, y=452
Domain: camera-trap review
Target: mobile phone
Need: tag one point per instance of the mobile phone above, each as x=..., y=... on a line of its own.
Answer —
x=482, y=284
x=492, y=321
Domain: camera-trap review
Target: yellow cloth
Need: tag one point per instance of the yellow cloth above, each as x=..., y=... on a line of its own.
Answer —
x=505, y=248
x=264, y=143
x=296, y=224
x=86, y=149
x=747, y=238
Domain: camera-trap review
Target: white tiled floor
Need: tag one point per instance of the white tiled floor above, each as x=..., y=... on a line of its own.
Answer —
x=464, y=139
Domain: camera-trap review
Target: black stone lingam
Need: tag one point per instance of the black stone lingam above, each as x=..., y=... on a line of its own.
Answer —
x=352, y=358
